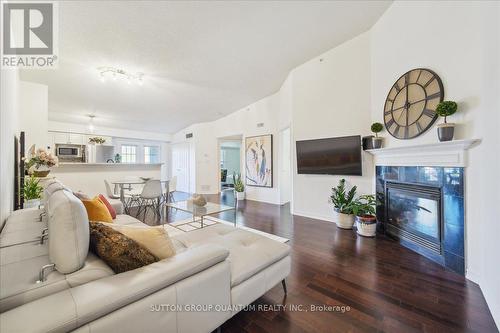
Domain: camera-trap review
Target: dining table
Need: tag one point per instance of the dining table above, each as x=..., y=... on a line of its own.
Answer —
x=124, y=184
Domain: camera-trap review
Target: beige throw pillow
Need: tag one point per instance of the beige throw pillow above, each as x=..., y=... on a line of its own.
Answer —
x=155, y=239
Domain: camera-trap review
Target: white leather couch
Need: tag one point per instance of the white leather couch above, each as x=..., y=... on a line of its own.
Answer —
x=216, y=271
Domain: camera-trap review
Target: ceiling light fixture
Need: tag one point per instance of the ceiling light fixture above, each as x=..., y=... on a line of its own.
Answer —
x=91, y=123
x=115, y=73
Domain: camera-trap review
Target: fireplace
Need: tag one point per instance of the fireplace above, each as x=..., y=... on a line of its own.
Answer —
x=423, y=209
x=414, y=213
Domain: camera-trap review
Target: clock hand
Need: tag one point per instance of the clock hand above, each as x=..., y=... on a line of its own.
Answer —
x=421, y=100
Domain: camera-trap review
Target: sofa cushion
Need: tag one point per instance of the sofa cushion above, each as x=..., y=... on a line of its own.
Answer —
x=68, y=232
x=120, y=252
x=249, y=253
x=18, y=278
x=108, y=205
x=124, y=219
x=97, y=210
x=24, y=219
x=155, y=239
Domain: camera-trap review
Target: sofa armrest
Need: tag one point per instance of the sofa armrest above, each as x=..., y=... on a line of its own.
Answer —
x=117, y=205
x=74, y=307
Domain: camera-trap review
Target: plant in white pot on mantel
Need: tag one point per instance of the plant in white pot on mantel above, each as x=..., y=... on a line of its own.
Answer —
x=32, y=192
x=342, y=201
x=364, y=210
x=239, y=187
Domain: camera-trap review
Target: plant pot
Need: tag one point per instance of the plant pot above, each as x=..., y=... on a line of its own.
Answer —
x=377, y=142
x=366, y=225
x=446, y=131
x=33, y=203
x=41, y=173
x=343, y=221
x=240, y=196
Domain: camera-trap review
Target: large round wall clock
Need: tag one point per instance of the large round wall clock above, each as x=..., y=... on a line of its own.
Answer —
x=410, y=107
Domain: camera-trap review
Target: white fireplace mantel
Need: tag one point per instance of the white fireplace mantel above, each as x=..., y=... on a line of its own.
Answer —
x=444, y=154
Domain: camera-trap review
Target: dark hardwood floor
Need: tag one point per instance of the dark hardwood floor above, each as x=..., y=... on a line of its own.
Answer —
x=386, y=286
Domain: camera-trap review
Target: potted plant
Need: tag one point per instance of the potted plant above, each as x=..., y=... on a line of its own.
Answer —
x=366, y=220
x=239, y=187
x=97, y=140
x=40, y=162
x=32, y=192
x=446, y=130
x=377, y=141
x=342, y=205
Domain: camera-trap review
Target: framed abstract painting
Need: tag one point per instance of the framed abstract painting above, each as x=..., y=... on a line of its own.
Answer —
x=259, y=160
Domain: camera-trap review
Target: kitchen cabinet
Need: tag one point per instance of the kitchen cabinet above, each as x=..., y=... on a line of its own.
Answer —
x=68, y=138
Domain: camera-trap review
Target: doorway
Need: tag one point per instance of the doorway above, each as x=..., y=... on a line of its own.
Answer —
x=181, y=166
x=229, y=161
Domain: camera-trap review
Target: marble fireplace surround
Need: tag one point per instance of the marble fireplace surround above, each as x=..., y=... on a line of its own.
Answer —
x=436, y=165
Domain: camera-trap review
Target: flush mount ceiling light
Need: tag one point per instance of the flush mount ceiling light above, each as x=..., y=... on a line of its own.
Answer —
x=113, y=73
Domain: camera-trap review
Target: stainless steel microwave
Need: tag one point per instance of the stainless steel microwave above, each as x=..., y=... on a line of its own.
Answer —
x=69, y=151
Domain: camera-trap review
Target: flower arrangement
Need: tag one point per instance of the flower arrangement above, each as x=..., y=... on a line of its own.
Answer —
x=97, y=139
x=40, y=158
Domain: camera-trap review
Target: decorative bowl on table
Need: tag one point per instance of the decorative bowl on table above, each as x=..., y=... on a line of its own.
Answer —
x=199, y=200
x=145, y=178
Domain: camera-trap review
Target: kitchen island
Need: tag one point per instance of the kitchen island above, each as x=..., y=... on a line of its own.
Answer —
x=89, y=177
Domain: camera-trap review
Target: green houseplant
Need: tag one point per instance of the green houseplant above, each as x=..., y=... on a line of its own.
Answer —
x=97, y=140
x=446, y=130
x=342, y=200
x=377, y=141
x=364, y=210
x=239, y=187
x=32, y=192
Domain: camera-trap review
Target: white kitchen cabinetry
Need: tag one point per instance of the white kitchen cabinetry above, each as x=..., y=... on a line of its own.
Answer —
x=68, y=138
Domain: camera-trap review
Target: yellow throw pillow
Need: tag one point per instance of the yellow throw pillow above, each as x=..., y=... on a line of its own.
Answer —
x=97, y=210
x=154, y=239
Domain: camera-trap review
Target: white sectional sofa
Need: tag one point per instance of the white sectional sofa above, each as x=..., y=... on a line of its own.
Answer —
x=216, y=271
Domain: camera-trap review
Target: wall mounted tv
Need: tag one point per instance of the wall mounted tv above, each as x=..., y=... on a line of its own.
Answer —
x=333, y=156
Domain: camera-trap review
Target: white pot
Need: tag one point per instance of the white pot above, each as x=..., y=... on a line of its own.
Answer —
x=343, y=221
x=240, y=196
x=33, y=203
x=366, y=229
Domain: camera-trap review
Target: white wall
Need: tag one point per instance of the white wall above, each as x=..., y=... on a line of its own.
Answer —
x=330, y=98
x=33, y=113
x=242, y=122
x=459, y=41
x=9, y=95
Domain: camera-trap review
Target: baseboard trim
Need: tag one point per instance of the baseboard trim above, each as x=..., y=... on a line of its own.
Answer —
x=314, y=216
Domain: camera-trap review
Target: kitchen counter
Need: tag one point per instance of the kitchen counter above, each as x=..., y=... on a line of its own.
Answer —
x=107, y=164
x=89, y=177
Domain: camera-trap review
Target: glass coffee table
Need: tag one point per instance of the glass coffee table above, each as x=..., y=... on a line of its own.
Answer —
x=199, y=213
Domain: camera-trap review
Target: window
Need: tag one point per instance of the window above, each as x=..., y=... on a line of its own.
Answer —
x=129, y=154
x=151, y=154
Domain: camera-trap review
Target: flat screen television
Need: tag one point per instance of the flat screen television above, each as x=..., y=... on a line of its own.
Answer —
x=333, y=156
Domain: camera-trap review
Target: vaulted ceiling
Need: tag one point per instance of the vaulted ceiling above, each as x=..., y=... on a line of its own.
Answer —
x=201, y=60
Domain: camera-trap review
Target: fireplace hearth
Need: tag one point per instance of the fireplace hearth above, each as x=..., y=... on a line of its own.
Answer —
x=423, y=209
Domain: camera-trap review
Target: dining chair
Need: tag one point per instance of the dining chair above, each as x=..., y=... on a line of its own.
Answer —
x=150, y=197
x=109, y=192
x=172, y=187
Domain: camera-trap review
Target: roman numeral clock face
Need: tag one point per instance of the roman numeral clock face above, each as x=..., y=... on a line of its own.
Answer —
x=410, y=107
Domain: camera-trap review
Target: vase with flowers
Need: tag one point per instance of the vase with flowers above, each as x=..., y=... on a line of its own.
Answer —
x=40, y=162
